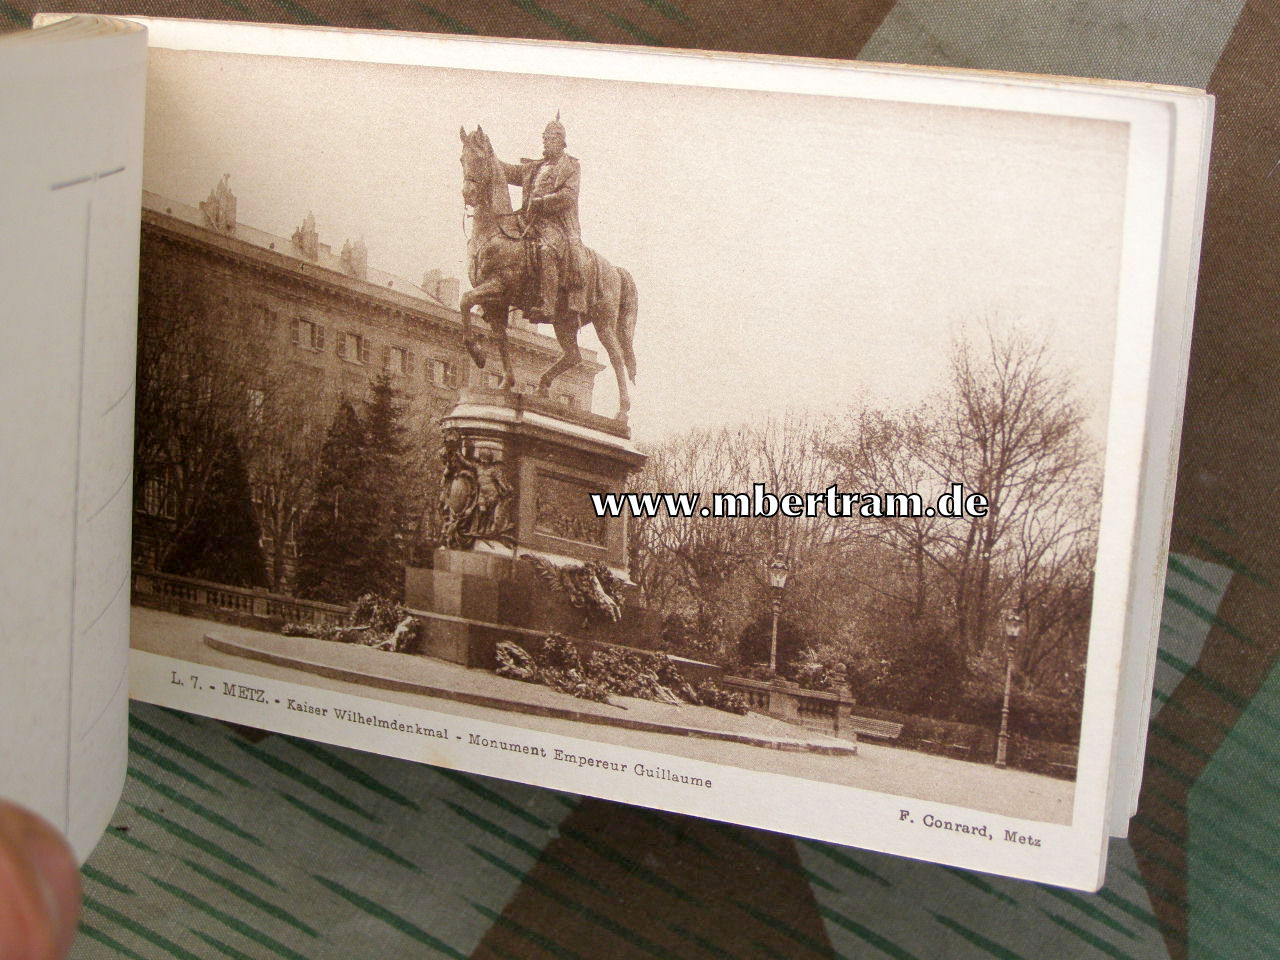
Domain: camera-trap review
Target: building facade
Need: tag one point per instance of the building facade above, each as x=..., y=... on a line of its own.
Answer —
x=261, y=337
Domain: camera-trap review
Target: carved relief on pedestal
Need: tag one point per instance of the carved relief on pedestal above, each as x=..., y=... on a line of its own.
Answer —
x=476, y=495
x=563, y=509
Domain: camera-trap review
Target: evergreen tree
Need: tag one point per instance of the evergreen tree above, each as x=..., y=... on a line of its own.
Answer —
x=389, y=487
x=221, y=543
x=757, y=636
x=338, y=531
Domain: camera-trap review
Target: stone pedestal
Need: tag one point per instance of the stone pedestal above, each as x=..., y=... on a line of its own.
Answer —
x=553, y=459
x=539, y=462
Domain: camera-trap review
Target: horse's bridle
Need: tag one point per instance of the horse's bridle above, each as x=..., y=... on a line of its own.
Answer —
x=481, y=189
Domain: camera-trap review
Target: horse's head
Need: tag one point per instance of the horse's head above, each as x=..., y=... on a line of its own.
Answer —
x=478, y=164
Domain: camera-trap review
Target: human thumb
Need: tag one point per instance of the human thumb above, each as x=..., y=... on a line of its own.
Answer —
x=39, y=888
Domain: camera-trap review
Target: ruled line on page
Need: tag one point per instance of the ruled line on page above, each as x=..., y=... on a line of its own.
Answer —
x=88, y=729
x=114, y=493
x=120, y=399
x=87, y=178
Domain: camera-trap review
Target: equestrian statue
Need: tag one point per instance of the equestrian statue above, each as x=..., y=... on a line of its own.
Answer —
x=533, y=260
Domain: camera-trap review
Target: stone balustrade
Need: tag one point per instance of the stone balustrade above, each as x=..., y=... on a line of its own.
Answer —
x=218, y=601
x=820, y=710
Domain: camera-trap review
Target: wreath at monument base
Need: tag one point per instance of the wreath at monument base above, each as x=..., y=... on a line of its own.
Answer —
x=556, y=662
x=590, y=586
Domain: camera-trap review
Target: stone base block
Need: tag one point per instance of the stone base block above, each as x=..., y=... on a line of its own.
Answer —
x=463, y=610
x=475, y=563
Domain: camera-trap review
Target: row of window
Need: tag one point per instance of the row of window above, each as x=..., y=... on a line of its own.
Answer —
x=159, y=500
x=398, y=361
x=356, y=348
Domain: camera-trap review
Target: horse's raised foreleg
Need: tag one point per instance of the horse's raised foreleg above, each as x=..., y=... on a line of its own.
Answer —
x=477, y=296
x=466, y=303
x=570, y=355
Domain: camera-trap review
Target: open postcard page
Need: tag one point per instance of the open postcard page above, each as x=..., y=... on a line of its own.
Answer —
x=71, y=101
x=735, y=437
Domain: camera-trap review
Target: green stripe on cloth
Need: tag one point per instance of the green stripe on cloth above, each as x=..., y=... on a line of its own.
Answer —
x=1227, y=560
x=743, y=836
x=492, y=797
x=979, y=884
x=622, y=23
x=350, y=771
x=229, y=921
x=301, y=14
x=217, y=819
x=575, y=906
x=351, y=833
x=111, y=943
x=701, y=942
x=164, y=763
x=251, y=898
x=668, y=10
x=393, y=920
x=178, y=746
x=1093, y=940
x=809, y=944
x=1089, y=910
x=558, y=23
x=986, y=944
x=97, y=876
x=170, y=948
x=1233, y=860
x=223, y=948
x=204, y=845
x=443, y=19
x=844, y=859
x=14, y=15
x=524, y=846
x=608, y=852
x=866, y=934
x=304, y=779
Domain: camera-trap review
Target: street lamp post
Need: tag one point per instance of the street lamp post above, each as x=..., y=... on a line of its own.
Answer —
x=1012, y=631
x=778, y=570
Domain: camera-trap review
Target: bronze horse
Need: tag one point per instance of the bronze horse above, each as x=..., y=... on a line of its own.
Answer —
x=500, y=272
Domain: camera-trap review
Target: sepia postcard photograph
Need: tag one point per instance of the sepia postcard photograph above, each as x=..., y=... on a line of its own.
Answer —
x=729, y=445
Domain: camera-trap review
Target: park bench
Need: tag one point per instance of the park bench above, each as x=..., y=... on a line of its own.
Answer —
x=883, y=729
x=961, y=750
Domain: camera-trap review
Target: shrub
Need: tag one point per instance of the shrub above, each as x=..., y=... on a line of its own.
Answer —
x=381, y=613
x=606, y=670
x=373, y=620
x=711, y=694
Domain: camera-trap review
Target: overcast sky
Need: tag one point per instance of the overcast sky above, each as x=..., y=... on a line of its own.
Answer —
x=789, y=250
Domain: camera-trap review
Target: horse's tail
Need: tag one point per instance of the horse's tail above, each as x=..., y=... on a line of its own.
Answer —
x=628, y=308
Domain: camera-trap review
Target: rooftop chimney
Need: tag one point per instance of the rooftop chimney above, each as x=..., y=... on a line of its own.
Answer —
x=219, y=210
x=355, y=258
x=445, y=289
x=306, y=239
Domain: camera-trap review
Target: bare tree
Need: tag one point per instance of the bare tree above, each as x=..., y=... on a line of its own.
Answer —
x=684, y=564
x=282, y=437
x=1006, y=425
x=883, y=453
x=711, y=569
x=196, y=374
x=1010, y=428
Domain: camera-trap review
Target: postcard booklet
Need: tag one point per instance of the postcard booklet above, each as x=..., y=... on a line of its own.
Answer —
x=776, y=441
